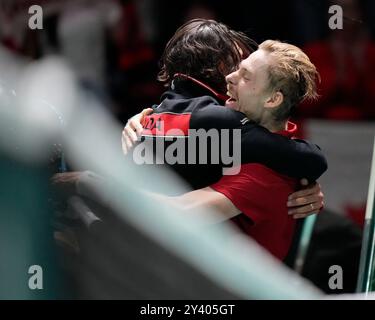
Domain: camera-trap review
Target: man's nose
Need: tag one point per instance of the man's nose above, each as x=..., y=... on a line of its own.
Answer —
x=231, y=78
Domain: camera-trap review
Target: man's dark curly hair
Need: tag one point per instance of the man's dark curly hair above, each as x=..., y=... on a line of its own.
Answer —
x=206, y=50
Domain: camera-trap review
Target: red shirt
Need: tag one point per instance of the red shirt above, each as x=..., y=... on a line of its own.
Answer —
x=262, y=194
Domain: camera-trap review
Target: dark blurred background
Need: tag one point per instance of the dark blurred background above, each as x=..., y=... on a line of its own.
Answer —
x=114, y=45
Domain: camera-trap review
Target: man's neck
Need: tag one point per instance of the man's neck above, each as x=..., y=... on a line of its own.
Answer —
x=275, y=126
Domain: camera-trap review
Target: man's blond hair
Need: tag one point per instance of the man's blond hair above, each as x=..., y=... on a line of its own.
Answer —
x=292, y=73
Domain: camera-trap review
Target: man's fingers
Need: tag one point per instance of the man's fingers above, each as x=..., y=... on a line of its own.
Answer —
x=128, y=132
x=128, y=143
x=124, y=146
x=300, y=194
x=147, y=111
x=304, y=192
x=133, y=130
x=66, y=177
x=135, y=125
x=309, y=208
x=305, y=200
x=144, y=114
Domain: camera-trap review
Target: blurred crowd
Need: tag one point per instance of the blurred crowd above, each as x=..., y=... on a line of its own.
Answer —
x=114, y=45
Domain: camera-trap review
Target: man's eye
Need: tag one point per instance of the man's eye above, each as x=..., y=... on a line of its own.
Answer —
x=246, y=79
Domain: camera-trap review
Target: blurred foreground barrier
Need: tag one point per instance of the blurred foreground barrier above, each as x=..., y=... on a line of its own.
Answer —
x=366, y=277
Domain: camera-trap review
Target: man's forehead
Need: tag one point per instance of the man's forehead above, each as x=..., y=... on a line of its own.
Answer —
x=257, y=59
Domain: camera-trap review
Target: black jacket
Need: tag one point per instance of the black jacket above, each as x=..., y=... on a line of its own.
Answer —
x=190, y=105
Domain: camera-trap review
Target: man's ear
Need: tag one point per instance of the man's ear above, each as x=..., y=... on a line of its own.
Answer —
x=274, y=100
